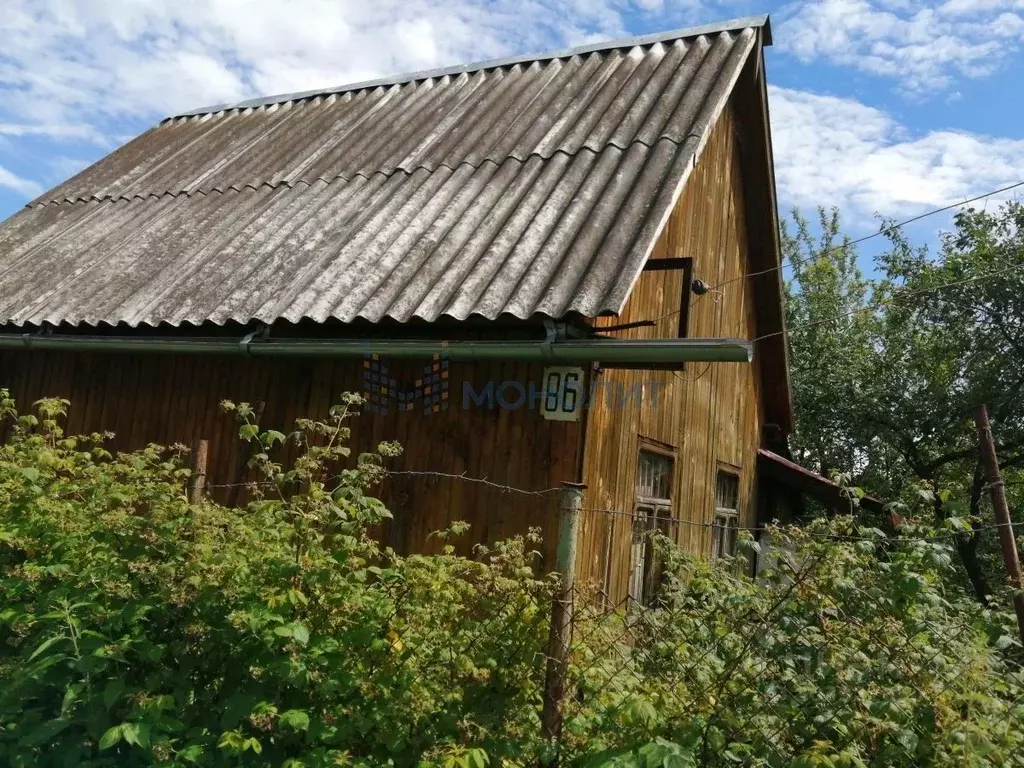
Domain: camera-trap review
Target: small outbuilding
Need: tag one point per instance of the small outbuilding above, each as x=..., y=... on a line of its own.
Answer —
x=554, y=268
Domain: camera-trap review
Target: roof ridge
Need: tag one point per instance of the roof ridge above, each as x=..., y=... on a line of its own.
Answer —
x=761, y=21
x=292, y=183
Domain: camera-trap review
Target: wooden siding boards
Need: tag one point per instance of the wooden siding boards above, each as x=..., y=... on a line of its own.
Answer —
x=710, y=414
x=169, y=399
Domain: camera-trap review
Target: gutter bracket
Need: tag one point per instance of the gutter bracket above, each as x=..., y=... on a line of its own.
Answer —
x=44, y=330
x=260, y=333
x=556, y=332
x=553, y=334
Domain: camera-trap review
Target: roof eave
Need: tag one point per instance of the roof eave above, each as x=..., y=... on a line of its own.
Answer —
x=790, y=418
x=811, y=483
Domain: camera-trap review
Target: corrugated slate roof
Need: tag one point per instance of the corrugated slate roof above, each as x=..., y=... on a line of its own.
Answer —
x=536, y=186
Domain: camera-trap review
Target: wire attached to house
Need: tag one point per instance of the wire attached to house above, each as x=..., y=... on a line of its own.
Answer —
x=944, y=534
x=414, y=473
x=467, y=478
x=694, y=379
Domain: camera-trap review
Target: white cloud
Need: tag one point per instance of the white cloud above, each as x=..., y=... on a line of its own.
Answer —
x=834, y=151
x=124, y=57
x=80, y=132
x=89, y=71
x=924, y=46
x=25, y=187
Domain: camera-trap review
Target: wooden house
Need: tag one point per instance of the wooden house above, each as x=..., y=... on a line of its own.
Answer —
x=553, y=268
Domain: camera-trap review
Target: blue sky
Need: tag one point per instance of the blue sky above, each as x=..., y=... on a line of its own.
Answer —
x=883, y=107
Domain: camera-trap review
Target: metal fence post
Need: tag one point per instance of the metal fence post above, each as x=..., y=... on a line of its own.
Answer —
x=1002, y=512
x=560, y=639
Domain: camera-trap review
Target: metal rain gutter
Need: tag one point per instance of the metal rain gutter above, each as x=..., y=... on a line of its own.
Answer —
x=633, y=352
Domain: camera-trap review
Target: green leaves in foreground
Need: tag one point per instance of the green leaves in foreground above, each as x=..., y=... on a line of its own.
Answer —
x=138, y=630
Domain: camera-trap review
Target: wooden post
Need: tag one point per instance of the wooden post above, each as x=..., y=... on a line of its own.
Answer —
x=1002, y=511
x=196, y=483
x=560, y=639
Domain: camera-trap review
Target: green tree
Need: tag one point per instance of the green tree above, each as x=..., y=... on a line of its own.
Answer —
x=889, y=368
x=830, y=339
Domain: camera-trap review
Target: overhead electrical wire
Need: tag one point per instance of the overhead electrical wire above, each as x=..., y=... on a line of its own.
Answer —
x=883, y=230
x=901, y=293
x=856, y=241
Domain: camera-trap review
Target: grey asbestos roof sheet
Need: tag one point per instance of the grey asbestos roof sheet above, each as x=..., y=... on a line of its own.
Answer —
x=531, y=187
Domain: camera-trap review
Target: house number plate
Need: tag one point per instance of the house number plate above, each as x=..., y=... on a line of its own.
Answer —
x=562, y=394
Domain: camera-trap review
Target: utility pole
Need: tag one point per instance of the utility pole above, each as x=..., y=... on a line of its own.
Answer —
x=560, y=639
x=1002, y=512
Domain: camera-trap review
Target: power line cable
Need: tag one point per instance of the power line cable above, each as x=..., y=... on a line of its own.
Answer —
x=859, y=240
x=901, y=293
x=884, y=230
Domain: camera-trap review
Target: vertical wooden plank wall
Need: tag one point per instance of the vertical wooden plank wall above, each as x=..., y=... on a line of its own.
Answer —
x=709, y=413
x=168, y=399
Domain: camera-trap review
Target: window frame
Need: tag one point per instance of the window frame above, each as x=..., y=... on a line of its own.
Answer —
x=650, y=513
x=725, y=528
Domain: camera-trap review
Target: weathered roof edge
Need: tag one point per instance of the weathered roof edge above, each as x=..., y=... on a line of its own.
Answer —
x=816, y=485
x=702, y=139
x=761, y=21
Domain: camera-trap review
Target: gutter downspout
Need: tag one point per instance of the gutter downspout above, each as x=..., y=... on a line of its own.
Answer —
x=635, y=352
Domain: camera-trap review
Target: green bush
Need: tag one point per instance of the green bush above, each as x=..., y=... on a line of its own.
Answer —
x=851, y=649
x=138, y=629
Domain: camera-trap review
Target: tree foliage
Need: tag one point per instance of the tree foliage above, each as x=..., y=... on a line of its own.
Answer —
x=830, y=338
x=888, y=368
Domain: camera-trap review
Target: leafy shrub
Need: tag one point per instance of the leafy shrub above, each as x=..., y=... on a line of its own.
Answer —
x=138, y=629
x=850, y=650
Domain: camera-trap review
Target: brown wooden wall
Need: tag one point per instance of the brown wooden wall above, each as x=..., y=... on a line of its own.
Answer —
x=707, y=415
x=170, y=399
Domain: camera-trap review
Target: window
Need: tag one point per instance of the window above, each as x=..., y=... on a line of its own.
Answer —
x=652, y=511
x=654, y=477
x=727, y=514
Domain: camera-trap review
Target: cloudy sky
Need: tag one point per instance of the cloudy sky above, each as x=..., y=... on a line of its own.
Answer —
x=888, y=107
